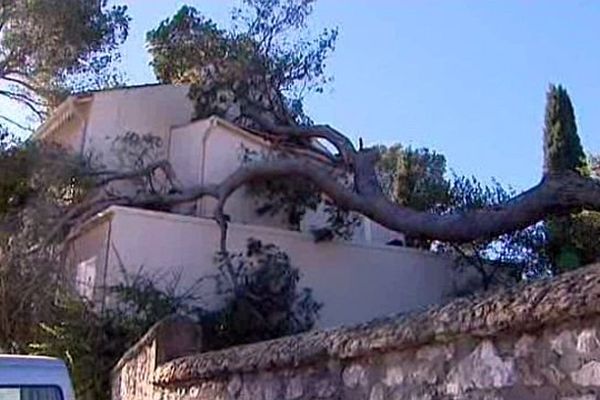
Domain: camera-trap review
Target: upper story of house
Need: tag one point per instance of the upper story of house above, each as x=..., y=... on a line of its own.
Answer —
x=200, y=151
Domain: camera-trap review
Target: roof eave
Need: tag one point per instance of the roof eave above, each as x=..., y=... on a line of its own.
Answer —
x=61, y=114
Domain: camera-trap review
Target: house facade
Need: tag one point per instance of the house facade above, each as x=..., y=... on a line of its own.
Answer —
x=356, y=280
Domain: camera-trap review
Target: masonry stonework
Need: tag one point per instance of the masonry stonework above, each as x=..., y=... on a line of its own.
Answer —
x=535, y=341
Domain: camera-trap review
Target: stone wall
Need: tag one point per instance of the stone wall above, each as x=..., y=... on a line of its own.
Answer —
x=537, y=341
x=170, y=338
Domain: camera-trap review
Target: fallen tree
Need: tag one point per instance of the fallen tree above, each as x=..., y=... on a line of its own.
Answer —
x=561, y=190
x=256, y=77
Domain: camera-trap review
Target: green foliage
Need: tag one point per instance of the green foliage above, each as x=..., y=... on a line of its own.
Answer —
x=28, y=285
x=293, y=197
x=503, y=260
x=52, y=37
x=51, y=47
x=91, y=342
x=340, y=223
x=572, y=239
x=470, y=194
x=414, y=177
x=260, y=295
x=180, y=43
x=262, y=298
x=13, y=172
x=38, y=182
x=562, y=147
x=263, y=61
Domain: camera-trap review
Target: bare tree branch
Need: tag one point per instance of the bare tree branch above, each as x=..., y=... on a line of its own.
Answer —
x=17, y=124
x=148, y=170
x=9, y=77
x=33, y=104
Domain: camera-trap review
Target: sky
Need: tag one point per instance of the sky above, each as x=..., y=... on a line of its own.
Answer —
x=465, y=78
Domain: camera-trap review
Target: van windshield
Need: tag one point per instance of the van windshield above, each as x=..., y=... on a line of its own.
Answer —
x=31, y=393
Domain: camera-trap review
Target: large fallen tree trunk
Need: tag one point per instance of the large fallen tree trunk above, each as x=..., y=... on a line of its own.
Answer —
x=556, y=194
x=562, y=190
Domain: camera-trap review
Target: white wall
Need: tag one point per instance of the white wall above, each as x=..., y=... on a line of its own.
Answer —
x=151, y=109
x=355, y=282
x=90, y=246
x=207, y=152
x=204, y=151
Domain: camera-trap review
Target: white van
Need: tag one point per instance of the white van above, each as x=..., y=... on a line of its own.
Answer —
x=34, y=378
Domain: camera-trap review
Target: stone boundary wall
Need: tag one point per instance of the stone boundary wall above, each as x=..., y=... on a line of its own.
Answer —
x=536, y=341
x=173, y=337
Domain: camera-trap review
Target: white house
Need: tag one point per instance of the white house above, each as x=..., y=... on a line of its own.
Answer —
x=356, y=280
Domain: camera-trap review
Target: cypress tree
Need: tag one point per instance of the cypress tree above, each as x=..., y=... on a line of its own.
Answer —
x=562, y=147
x=563, y=152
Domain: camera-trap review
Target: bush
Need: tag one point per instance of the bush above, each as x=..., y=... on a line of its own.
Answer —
x=262, y=298
x=261, y=301
x=91, y=342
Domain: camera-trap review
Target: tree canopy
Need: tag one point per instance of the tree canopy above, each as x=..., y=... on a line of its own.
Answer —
x=573, y=238
x=562, y=147
x=49, y=48
x=263, y=62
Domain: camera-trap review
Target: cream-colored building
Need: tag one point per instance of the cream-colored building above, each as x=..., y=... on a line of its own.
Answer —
x=356, y=280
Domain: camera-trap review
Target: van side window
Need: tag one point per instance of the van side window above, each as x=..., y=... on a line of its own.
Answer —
x=31, y=393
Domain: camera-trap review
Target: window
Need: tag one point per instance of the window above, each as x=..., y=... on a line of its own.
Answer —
x=85, y=279
x=31, y=393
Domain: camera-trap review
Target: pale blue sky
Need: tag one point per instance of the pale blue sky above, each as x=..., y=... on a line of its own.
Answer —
x=466, y=78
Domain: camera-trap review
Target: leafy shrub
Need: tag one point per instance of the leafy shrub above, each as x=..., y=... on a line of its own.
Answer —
x=262, y=298
x=261, y=301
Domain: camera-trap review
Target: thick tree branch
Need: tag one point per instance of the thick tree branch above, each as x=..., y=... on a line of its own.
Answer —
x=555, y=194
x=342, y=144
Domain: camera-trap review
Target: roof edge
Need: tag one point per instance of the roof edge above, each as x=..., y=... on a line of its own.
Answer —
x=61, y=114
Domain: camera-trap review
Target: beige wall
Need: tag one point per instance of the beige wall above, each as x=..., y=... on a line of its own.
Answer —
x=355, y=282
x=208, y=151
x=71, y=134
x=91, y=246
x=152, y=110
x=204, y=151
x=68, y=128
